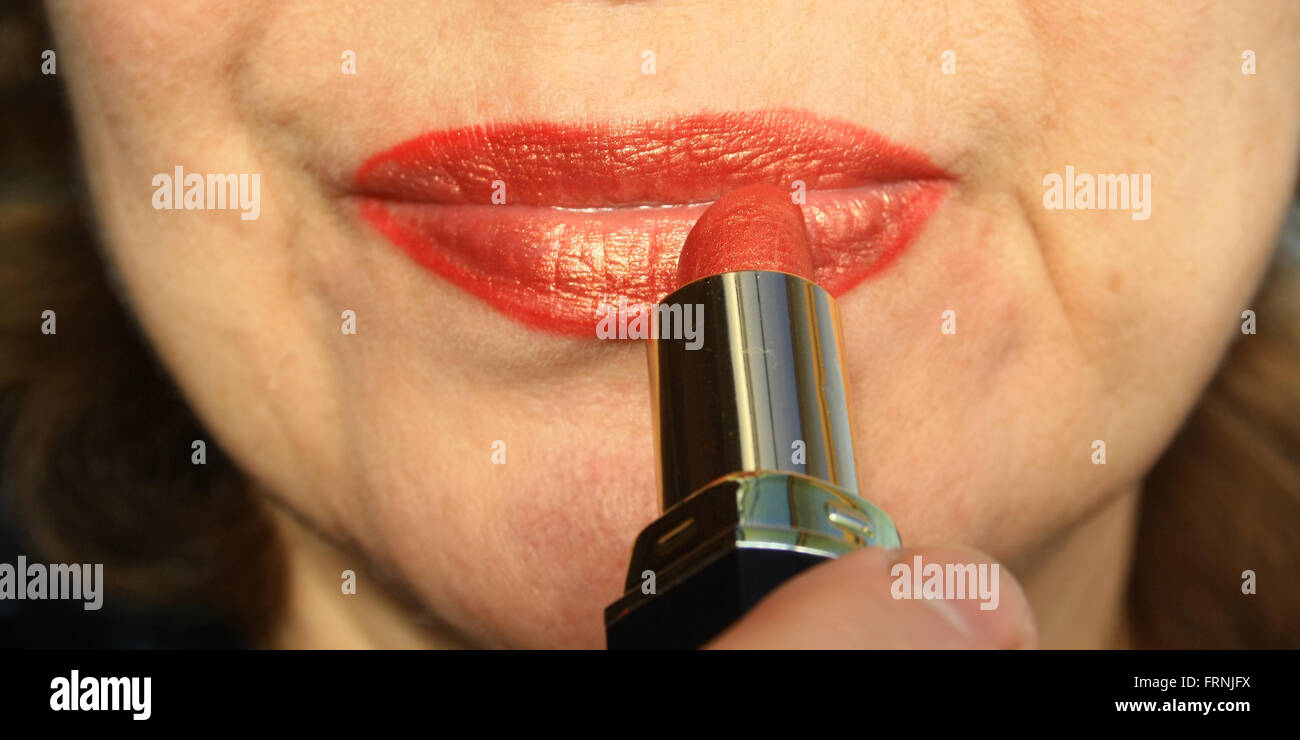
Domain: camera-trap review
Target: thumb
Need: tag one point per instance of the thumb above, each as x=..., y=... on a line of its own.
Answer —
x=860, y=601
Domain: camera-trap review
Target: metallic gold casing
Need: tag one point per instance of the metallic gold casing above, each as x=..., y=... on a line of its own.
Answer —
x=764, y=391
x=756, y=467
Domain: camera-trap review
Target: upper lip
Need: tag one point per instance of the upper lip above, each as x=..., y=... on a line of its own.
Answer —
x=598, y=211
x=679, y=161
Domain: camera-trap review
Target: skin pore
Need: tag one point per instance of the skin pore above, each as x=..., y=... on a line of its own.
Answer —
x=375, y=449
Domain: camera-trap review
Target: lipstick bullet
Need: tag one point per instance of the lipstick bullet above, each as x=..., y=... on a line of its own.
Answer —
x=754, y=444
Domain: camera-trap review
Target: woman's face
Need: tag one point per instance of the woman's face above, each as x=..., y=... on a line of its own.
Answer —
x=1071, y=325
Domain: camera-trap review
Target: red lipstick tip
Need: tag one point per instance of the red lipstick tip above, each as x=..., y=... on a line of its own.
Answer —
x=756, y=227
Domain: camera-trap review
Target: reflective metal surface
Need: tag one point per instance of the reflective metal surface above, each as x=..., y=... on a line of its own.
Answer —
x=757, y=475
x=770, y=511
x=764, y=392
x=791, y=512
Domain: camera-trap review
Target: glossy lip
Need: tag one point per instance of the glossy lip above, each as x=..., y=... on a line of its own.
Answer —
x=599, y=211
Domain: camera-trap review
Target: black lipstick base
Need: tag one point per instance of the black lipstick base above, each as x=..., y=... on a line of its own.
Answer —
x=689, y=613
x=699, y=567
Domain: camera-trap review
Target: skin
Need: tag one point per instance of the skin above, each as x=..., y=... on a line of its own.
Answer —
x=375, y=448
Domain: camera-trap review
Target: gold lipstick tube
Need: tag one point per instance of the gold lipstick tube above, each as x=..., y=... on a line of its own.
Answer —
x=756, y=466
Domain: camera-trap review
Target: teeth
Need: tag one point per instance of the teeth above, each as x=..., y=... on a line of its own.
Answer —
x=634, y=207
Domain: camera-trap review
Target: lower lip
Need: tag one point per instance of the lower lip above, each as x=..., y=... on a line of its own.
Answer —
x=552, y=268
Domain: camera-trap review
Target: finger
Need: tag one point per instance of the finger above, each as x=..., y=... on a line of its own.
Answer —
x=859, y=601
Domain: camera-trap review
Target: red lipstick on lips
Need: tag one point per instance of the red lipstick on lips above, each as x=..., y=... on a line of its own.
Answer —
x=595, y=212
x=756, y=463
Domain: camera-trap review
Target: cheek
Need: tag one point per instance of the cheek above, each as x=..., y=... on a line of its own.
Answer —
x=523, y=550
x=157, y=60
x=976, y=426
x=525, y=553
x=932, y=358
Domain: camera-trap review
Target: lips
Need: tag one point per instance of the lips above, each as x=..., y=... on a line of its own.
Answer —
x=597, y=212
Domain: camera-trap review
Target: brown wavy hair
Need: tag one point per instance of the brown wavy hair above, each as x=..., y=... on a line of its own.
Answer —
x=97, y=459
